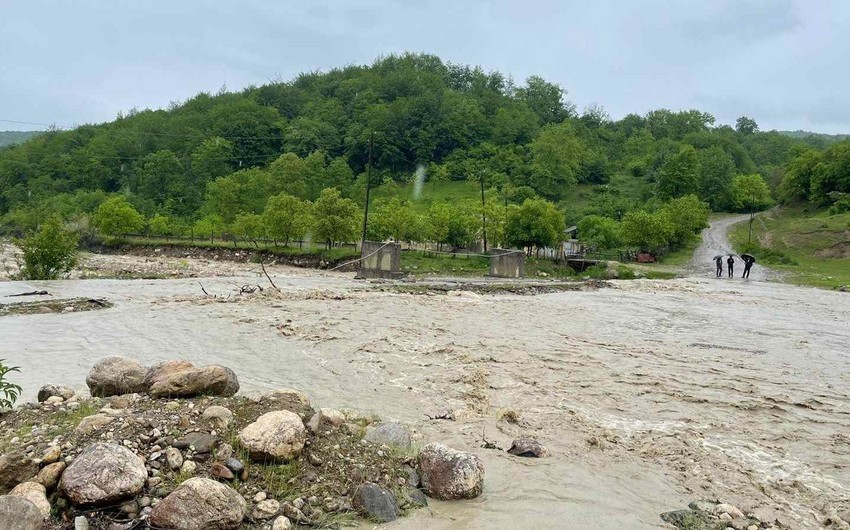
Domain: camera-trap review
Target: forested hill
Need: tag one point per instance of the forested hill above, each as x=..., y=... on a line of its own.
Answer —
x=15, y=137
x=457, y=122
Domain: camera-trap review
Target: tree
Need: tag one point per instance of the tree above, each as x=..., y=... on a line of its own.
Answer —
x=209, y=225
x=832, y=175
x=288, y=174
x=556, y=155
x=751, y=192
x=210, y=160
x=679, y=174
x=394, y=219
x=337, y=219
x=599, y=232
x=797, y=182
x=160, y=176
x=452, y=224
x=48, y=252
x=245, y=191
x=745, y=125
x=545, y=99
x=646, y=231
x=160, y=225
x=716, y=171
x=249, y=226
x=287, y=218
x=117, y=217
x=687, y=217
x=536, y=223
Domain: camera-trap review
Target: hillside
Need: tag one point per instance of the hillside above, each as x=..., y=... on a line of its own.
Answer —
x=16, y=137
x=212, y=163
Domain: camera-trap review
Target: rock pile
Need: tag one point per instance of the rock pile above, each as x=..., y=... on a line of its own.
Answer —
x=171, y=447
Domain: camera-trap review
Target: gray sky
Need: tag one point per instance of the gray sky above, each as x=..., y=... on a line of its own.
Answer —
x=782, y=62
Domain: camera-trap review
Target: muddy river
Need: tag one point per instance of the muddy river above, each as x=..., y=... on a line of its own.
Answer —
x=649, y=394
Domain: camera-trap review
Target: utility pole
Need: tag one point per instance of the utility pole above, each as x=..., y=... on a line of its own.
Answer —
x=483, y=213
x=368, y=186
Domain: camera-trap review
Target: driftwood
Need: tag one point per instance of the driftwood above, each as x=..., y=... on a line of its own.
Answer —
x=267, y=274
x=444, y=416
x=487, y=444
x=31, y=293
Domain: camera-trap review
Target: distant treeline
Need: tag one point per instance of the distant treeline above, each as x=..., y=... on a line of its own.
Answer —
x=16, y=137
x=226, y=154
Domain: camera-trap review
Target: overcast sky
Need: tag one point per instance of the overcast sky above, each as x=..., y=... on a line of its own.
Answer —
x=782, y=62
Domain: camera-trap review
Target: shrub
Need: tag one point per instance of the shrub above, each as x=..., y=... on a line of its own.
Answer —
x=48, y=252
x=9, y=392
x=767, y=255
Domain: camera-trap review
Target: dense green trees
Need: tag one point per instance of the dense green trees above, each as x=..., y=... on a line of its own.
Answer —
x=535, y=223
x=287, y=218
x=47, y=252
x=337, y=219
x=750, y=192
x=117, y=217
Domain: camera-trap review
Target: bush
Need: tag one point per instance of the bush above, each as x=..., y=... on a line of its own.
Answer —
x=117, y=217
x=767, y=255
x=48, y=252
x=9, y=392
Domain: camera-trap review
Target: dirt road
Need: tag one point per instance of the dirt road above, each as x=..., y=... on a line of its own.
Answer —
x=715, y=242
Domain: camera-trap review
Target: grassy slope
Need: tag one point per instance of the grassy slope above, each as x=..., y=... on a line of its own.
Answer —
x=817, y=244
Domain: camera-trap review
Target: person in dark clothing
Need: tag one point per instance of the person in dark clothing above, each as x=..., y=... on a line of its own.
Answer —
x=719, y=261
x=748, y=264
x=731, y=263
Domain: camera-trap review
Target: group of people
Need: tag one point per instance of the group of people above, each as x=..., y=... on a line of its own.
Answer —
x=730, y=263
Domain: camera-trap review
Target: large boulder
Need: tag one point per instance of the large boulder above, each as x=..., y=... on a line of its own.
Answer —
x=218, y=416
x=114, y=376
x=275, y=436
x=102, y=474
x=447, y=474
x=528, y=447
x=18, y=513
x=15, y=467
x=391, y=434
x=160, y=371
x=199, y=504
x=35, y=493
x=373, y=502
x=50, y=390
x=213, y=380
x=50, y=474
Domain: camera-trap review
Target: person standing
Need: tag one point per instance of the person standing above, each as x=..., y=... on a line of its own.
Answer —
x=748, y=264
x=719, y=261
x=730, y=262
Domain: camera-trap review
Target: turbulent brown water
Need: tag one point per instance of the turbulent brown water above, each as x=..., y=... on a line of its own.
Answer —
x=649, y=394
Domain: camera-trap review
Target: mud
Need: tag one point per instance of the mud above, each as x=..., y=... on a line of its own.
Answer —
x=649, y=394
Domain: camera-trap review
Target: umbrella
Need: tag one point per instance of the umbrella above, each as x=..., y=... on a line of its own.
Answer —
x=717, y=256
x=748, y=257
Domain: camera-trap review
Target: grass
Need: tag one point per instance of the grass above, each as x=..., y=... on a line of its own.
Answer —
x=433, y=192
x=810, y=246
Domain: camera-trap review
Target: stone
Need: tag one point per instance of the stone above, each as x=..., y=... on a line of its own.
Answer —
x=174, y=458
x=412, y=476
x=265, y=510
x=282, y=523
x=162, y=370
x=528, y=448
x=291, y=400
x=732, y=510
x=90, y=424
x=391, y=434
x=325, y=418
x=50, y=474
x=234, y=465
x=260, y=496
x=102, y=474
x=218, y=416
x=114, y=376
x=373, y=502
x=200, y=442
x=447, y=474
x=274, y=436
x=188, y=468
x=54, y=400
x=50, y=390
x=199, y=504
x=18, y=513
x=221, y=472
x=213, y=380
x=51, y=454
x=35, y=493
x=15, y=467
x=81, y=523
x=417, y=498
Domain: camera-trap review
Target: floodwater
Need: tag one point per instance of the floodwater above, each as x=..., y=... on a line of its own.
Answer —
x=649, y=394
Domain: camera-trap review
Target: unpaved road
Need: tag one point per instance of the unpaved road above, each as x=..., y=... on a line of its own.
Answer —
x=649, y=394
x=715, y=242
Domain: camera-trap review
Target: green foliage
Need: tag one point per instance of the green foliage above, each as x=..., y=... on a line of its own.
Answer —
x=287, y=218
x=556, y=155
x=208, y=226
x=797, y=182
x=679, y=175
x=767, y=256
x=536, y=223
x=599, y=232
x=453, y=224
x=396, y=220
x=745, y=125
x=832, y=174
x=750, y=193
x=160, y=225
x=687, y=217
x=336, y=218
x=647, y=231
x=249, y=226
x=716, y=171
x=117, y=217
x=9, y=392
x=48, y=252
